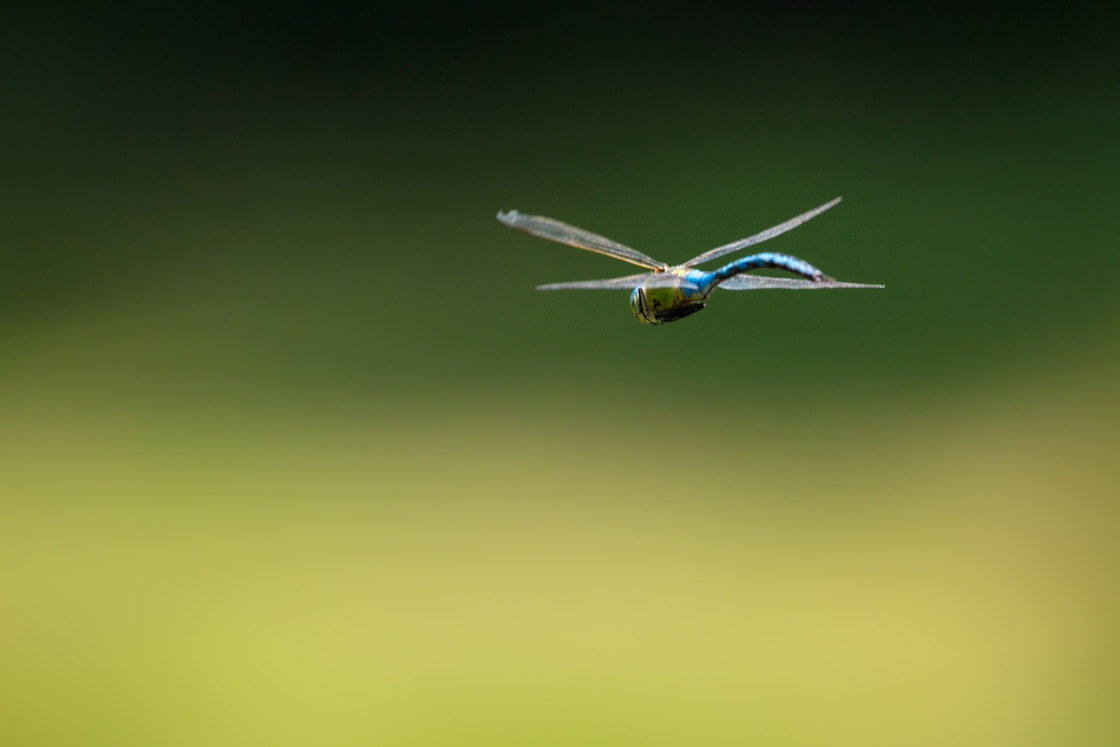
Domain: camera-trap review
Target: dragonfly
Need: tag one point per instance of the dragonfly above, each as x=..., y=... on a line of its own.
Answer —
x=667, y=293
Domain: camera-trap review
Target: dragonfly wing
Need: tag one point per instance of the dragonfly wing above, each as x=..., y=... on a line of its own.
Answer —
x=630, y=282
x=758, y=238
x=756, y=282
x=547, y=228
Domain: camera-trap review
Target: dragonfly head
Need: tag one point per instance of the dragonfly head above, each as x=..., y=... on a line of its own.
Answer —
x=658, y=305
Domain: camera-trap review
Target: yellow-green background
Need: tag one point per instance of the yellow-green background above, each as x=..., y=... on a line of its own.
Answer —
x=292, y=453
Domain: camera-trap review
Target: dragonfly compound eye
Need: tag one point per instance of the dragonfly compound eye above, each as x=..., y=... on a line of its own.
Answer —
x=662, y=303
x=640, y=306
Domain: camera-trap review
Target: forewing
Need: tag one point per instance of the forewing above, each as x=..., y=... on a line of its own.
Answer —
x=547, y=228
x=757, y=282
x=758, y=238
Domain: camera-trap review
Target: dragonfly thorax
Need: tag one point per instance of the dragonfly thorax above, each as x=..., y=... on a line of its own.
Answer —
x=666, y=297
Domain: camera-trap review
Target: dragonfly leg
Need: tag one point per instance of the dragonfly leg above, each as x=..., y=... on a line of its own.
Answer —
x=768, y=259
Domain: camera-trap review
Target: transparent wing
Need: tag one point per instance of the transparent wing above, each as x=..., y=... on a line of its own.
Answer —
x=630, y=282
x=756, y=282
x=758, y=238
x=547, y=228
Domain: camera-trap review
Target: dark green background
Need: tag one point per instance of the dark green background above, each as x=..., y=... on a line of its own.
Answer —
x=256, y=308
x=308, y=195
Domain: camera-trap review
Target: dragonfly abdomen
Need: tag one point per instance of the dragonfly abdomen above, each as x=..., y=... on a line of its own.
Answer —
x=767, y=259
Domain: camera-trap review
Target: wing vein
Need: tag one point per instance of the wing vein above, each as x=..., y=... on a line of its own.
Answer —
x=757, y=282
x=758, y=238
x=547, y=228
x=630, y=282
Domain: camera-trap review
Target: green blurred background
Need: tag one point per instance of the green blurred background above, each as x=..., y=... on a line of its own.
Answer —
x=292, y=453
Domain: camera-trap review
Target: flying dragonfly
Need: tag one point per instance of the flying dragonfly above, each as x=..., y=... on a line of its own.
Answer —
x=666, y=294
